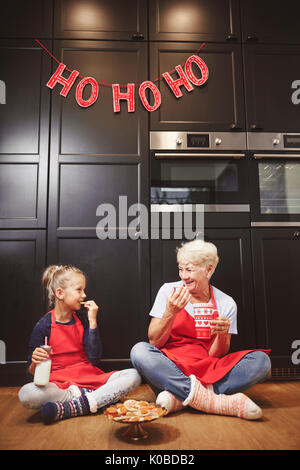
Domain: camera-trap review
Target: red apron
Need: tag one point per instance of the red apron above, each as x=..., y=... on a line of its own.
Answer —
x=70, y=365
x=190, y=353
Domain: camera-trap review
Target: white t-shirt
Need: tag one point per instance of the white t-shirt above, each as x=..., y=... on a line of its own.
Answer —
x=226, y=306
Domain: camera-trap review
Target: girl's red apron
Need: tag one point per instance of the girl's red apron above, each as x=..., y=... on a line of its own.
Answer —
x=70, y=365
x=190, y=353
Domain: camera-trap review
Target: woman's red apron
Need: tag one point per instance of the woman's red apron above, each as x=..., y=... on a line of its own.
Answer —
x=190, y=353
x=70, y=365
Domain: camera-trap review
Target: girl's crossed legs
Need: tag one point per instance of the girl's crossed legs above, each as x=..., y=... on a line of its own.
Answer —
x=119, y=384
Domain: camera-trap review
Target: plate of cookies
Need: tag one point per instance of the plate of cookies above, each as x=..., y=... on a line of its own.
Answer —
x=134, y=411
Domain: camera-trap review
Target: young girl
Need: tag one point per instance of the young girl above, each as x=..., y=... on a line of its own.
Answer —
x=76, y=386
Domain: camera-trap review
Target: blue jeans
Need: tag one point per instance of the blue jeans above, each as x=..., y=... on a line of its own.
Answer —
x=162, y=374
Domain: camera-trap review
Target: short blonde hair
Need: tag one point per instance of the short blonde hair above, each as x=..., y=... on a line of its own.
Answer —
x=198, y=252
x=57, y=276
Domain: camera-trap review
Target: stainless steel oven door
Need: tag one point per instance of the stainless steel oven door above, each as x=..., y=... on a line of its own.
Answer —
x=275, y=189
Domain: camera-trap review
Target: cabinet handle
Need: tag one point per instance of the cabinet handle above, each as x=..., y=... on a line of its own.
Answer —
x=251, y=37
x=137, y=36
x=234, y=127
x=255, y=127
x=232, y=37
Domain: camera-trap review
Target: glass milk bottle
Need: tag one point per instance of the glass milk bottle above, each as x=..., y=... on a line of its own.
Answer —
x=42, y=370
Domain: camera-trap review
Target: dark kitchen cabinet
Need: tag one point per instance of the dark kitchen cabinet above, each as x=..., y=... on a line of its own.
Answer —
x=118, y=281
x=271, y=73
x=101, y=19
x=217, y=105
x=100, y=158
x=22, y=260
x=194, y=20
x=24, y=134
x=233, y=275
x=26, y=19
x=268, y=21
x=96, y=154
x=276, y=260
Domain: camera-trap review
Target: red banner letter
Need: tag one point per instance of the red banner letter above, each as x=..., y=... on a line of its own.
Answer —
x=175, y=84
x=156, y=94
x=67, y=82
x=129, y=96
x=79, y=91
x=202, y=66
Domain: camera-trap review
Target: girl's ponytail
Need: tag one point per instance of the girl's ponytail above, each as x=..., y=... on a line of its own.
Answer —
x=57, y=276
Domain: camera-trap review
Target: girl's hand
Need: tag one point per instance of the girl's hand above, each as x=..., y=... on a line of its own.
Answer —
x=92, y=309
x=177, y=299
x=220, y=326
x=39, y=355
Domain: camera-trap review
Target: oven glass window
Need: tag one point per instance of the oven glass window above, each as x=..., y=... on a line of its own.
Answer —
x=195, y=181
x=279, y=187
x=217, y=176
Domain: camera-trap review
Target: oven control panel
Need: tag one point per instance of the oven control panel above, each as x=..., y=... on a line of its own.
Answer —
x=273, y=141
x=174, y=140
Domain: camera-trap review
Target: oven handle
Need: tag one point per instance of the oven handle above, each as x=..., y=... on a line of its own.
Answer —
x=203, y=155
x=275, y=155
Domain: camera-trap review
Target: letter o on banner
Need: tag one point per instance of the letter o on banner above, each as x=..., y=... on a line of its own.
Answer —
x=79, y=91
x=202, y=66
x=156, y=95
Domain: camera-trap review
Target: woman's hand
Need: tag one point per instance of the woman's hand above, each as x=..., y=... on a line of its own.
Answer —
x=220, y=326
x=177, y=299
x=92, y=309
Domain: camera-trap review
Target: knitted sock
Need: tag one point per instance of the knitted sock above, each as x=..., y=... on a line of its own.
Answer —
x=204, y=399
x=85, y=390
x=169, y=402
x=76, y=392
x=55, y=411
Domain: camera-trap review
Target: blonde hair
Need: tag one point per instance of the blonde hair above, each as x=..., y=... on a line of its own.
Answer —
x=57, y=276
x=198, y=252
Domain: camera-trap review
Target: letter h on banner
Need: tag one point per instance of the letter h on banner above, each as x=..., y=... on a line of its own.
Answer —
x=66, y=82
x=129, y=96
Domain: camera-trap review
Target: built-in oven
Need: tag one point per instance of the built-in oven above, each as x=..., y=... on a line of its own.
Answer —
x=204, y=168
x=275, y=178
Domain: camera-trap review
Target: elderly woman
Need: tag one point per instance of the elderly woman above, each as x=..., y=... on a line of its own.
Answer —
x=178, y=362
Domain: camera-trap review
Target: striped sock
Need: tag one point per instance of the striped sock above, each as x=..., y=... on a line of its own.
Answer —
x=204, y=399
x=55, y=411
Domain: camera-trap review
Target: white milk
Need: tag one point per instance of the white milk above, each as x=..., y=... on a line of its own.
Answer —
x=42, y=370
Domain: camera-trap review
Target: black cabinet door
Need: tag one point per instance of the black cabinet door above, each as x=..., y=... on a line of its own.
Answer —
x=271, y=73
x=194, y=20
x=276, y=260
x=118, y=281
x=217, y=105
x=24, y=134
x=22, y=259
x=26, y=19
x=101, y=19
x=233, y=275
x=96, y=154
x=270, y=21
x=99, y=159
